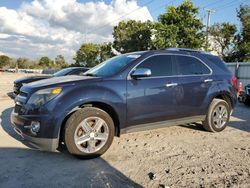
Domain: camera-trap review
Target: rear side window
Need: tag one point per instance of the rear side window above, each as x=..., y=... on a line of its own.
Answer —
x=160, y=65
x=218, y=62
x=187, y=65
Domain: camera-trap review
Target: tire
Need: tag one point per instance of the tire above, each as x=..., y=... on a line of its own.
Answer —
x=216, y=120
x=247, y=102
x=85, y=137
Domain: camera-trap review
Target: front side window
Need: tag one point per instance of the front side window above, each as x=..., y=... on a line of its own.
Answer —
x=160, y=65
x=187, y=65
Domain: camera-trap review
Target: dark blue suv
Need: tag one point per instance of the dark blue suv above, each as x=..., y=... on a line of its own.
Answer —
x=129, y=92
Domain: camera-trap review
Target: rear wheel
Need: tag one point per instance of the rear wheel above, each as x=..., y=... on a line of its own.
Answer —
x=89, y=132
x=217, y=116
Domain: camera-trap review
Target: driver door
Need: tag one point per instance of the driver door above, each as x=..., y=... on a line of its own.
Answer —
x=152, y=99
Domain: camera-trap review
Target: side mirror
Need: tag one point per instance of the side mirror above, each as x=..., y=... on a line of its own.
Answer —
x=141, y=73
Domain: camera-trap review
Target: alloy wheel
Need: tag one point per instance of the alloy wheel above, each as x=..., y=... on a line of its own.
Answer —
x=220, y=116
x=91, y=134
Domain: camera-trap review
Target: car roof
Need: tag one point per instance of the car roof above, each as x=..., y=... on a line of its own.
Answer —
x=185, y=51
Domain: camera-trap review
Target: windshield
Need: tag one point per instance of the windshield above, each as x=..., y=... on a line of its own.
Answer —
x=112, y=66
x=62, y=72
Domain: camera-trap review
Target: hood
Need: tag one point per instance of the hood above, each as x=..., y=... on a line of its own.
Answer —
x=56, y=81
x=31, y=79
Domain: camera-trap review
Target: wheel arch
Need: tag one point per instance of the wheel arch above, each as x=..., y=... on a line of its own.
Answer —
x=226, y=97
x=101, y=105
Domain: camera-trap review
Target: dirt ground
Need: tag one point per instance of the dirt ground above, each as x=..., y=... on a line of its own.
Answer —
x=179, y=156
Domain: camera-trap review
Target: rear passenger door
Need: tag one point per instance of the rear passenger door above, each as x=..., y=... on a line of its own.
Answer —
x=152, y=98
x=194, y=81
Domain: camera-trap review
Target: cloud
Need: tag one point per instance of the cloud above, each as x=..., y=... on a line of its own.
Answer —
x=1, y=53
x=55, y=27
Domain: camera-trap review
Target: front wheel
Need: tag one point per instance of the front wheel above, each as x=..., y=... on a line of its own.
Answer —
x=89, y=132
x=217, y=116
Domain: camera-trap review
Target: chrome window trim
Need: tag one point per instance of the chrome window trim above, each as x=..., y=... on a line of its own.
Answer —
x=211, y=71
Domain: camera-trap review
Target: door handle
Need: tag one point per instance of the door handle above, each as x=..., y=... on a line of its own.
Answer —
x=171, y=85
x=208, y=80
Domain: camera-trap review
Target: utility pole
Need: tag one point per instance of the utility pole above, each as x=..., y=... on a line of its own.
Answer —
x=209, y=12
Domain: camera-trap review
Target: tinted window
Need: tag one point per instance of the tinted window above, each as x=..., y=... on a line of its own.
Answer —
x=76, y=72
x=190, y=66
x=218, y=62
x=160, y=65
x=112, y=65
x=63, y=72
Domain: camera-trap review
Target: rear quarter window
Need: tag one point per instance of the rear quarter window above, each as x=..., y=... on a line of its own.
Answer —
x=217, y=62
x=188, y=65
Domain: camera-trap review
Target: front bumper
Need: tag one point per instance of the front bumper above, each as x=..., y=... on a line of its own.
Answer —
x=12, y=95
x=22, y=126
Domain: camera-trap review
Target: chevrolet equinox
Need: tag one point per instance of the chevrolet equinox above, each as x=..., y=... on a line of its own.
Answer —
x=129, y=92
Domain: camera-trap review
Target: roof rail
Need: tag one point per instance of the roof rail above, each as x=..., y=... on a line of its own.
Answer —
x=188, y=50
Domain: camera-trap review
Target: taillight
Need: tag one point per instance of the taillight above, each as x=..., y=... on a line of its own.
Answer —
x=234, y=82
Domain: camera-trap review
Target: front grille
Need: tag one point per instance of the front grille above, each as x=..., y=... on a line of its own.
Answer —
x=16, y=88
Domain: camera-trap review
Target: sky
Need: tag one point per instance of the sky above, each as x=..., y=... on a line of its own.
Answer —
x=35, y=28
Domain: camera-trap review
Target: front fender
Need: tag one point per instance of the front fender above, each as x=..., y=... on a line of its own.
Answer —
x=72, y=99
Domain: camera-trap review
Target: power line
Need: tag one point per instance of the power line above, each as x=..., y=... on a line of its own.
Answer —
x=108, y=24
x=161, y=5
x=213, y=3
x=164, y=4
x=223, y=6
x=209, y=12
x=229, y=5
x=226, y=4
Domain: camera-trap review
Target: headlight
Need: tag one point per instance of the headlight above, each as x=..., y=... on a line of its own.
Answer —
x=43, y=96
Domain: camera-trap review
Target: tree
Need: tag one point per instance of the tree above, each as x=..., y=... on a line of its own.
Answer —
x=105, y=52
x=12, y=64
x=4, y=60
x=23, y=63
x=46, y=62
x=243, y=53
x=223, y=37
x=132, y=36
x=179, y=27
x=87, y=55
x=60, y=61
